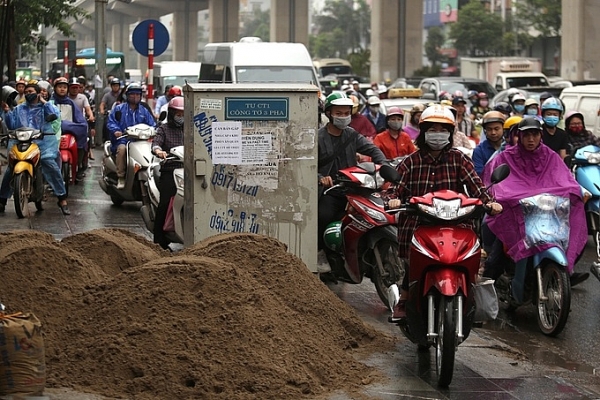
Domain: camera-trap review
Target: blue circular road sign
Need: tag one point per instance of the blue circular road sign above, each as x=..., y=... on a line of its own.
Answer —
x=140, y=37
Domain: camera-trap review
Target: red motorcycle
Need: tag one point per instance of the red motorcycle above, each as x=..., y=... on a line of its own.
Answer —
x=68, y=155
x=444, y=261
x=365, y=241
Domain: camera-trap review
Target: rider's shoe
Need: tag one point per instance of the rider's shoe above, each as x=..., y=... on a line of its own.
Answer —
x=323, y=266
x=2, y=207
x=121, y=183
x=399, y=312
x=577, y=277
x=64, y=209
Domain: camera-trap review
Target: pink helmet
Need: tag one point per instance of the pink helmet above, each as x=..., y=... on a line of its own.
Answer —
x=395, y=111
x=176, y=103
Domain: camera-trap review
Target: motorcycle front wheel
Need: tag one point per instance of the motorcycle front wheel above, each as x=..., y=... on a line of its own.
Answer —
x=21, y=187
x=66, y=175
x=446, y=340
x=553, y=313
x=394, y=269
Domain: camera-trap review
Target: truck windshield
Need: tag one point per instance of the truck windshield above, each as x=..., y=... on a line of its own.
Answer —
x=527, y=81
x=336, y=70
x=275, y=74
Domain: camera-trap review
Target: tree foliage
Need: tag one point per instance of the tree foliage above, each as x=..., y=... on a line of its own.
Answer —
x=257, y=24
x=27, y=16
x=477, y=31
x=544, y=16
x=435, y=40
x=343, y=28
x=30, y=14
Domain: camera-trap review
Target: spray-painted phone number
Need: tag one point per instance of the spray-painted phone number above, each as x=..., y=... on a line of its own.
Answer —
x=234, y=223
x=228, y=180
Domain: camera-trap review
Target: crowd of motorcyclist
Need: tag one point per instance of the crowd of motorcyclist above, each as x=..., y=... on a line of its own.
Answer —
x=522, y=133
x=72, y=102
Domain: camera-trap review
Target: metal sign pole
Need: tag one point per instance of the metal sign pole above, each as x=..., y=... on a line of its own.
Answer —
x=99, y=79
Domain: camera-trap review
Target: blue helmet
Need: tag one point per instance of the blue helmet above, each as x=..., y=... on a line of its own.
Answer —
x=552, y=103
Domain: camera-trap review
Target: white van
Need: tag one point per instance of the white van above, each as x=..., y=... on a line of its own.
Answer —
x=173, y=73
x=252, y=60
x=586, y=100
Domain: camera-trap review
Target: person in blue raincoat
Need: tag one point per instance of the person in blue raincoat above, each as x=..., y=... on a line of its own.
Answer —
x=72, y=120
x=121, y=117
x=33, y=113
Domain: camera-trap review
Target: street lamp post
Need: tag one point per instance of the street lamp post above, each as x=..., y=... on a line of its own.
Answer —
x=100, y=7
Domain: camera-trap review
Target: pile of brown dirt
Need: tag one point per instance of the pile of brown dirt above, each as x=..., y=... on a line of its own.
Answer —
x=233, y=317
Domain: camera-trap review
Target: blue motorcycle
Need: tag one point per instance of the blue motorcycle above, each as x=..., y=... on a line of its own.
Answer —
x=542, y=278
x=586, y=167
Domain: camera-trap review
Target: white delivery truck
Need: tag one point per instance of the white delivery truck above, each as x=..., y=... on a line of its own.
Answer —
x=173, y=73
x=252, y=61
x=505, y=72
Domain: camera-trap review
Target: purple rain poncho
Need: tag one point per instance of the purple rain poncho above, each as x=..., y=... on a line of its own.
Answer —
x=533, y=173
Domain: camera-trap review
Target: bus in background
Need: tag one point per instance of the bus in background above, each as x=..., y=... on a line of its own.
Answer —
x=84, y=64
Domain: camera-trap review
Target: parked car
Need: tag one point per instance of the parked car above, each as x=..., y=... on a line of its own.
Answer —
x=452, y=84
x=529, y=92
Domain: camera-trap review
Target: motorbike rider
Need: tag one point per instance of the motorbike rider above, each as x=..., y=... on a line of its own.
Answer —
x=82, y=102
x=463, y=123
x=518, y=104
x=483, y=106
x=106, y=103
x=173, y=92
x=504, y=108
x=534, y=168
x=72, y=120
x=20, y=88
x=553, y=136
x=33, y=113
x=168, y=135
x=577, y=133
x=359, y=122
x=492, y=123
x=373, y=114
x=412, y=126
x=393, y=142
x=162, y=100
x=435, y=166
x=531, y=107
x=338, y=145
x=121, y=117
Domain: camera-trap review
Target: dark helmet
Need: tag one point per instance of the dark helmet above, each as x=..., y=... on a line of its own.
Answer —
x=544, y=96
x=503, y=107
x=115, y=81
x=133, y=88
x=74, y=82
x=528, y=123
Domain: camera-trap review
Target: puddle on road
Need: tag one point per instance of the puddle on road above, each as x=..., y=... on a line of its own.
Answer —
x=532, y=344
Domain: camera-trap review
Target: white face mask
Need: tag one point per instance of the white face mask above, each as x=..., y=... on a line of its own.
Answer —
x=395, y=125
x=437, y=140
x=342, y=122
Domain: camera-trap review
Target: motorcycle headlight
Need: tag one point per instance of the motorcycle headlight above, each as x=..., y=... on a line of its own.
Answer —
x=446, y=209
x=24, y=135
x=592, y=158
x=369, y=181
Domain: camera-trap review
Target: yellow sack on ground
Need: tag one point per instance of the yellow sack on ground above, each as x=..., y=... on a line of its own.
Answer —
x=22, y=355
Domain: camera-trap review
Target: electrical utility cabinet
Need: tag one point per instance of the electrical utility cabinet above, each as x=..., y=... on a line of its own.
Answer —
x=251, y=163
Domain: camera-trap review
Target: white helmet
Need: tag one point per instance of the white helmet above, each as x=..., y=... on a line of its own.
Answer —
x=437, y=114
x=370, y=92
x=374, y=101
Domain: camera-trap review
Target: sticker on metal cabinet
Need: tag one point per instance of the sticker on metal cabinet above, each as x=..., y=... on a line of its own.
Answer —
x=211, y=104
x=265, y=109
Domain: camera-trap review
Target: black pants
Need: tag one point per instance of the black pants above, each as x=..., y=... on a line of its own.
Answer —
x=332, y=207
x=167, y=189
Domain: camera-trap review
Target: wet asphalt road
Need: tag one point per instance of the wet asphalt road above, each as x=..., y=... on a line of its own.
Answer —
x=507, y=359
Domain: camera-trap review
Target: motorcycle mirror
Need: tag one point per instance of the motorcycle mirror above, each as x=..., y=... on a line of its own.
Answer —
x=500, y=173
x=51, y=117
x=389, y=173
x=9, y=94
x=118, y=115
x=162, y=116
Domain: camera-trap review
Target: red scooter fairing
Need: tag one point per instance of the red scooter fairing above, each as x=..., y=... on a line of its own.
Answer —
x=68, y=152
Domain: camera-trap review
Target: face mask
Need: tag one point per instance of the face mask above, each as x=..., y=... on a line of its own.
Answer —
x=551, y=121
x=374, y=109
x=483, y=103
x=531, y=111
x=437, y=140
x=342, y=122
x=519, y=108
x=178, y=120
x=395, y=125
x=576, y=129
x=30, y=97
